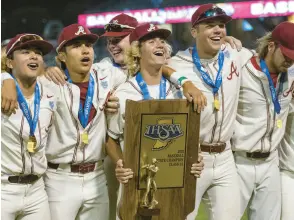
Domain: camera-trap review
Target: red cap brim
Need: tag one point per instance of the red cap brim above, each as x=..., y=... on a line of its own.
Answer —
x=287, y=52
x=91, y=37
x=115, y=34
x=43, y=45
x=224, y=18
x=164, y=33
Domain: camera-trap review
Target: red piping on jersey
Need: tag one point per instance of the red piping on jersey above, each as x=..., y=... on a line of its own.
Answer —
x=257, y=67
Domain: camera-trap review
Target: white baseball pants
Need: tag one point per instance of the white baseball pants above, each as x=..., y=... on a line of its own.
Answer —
x=24, y=201
x=260, y=186
x=218, y=187
x=77, y=196
x=112, y=185
x=287, y=184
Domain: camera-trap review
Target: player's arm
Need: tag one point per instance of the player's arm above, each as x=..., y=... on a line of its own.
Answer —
x=115, y=124
x=113, y=149
x=55, y=74
x=191, y=93
x=8, y=94
x=114, y=152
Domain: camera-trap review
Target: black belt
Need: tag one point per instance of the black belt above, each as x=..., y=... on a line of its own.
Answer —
x=76, y=168
x=213, y=147
x=258, y=155
x=25, y=179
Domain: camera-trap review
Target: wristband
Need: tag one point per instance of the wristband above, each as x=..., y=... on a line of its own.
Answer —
x=182, y=80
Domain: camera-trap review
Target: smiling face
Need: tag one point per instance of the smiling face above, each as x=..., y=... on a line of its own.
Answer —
x=26, y=63
x=78, y=56
x=116, y=47
x=209, y=35
x=153, y=52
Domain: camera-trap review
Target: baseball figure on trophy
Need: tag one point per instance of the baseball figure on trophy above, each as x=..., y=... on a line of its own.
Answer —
x=149, y=200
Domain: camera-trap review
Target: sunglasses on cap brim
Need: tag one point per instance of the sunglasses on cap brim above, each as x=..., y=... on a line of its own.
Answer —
x=111, y=27
x=24, y=39
x=212, y=13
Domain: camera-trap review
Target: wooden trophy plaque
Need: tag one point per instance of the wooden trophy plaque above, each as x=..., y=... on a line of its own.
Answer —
x=161, y=141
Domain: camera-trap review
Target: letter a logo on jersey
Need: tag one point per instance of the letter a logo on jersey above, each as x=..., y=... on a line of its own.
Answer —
x=234, y=70
x=151, y=28
x=80, y=31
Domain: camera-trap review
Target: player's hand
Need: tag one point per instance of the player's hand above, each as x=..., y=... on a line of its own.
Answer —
x=123, y=174
x=9, y=102
x=55, y=74
x=112, y=105
x=234, y=42
x=197, y=168
x=195, y=95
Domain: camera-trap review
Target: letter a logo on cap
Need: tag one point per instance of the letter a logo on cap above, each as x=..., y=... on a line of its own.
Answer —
x=80, y=31
x=115, y=21
x=151, y=28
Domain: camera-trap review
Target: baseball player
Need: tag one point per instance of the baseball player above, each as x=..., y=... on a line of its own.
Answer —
x=117, y=33
x=261, y=120
x=145, y=59
x=214, y=68
x=75, y=180
x=286, y=154
x=24, y=134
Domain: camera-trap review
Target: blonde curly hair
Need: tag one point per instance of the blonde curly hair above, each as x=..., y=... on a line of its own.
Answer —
x=133, y=56
x=262, y=45
x=4, y=67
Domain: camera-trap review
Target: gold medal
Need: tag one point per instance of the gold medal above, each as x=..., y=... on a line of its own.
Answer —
x=85, y=138
x=32, y=144
x=216, y=103
x=279, y=123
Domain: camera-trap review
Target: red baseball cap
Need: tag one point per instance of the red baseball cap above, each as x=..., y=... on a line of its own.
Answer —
x=75, y=31
x=22, y=40
x=283, y=34
x=148, y=29
x=121, y=25
x=208, y=12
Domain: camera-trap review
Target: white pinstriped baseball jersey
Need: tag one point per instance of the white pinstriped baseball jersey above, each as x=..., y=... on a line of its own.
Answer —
x=216, y=126
x=131, y=90
x=286, y=149
x=65, y=144
x=15, y=158
x=258, y=127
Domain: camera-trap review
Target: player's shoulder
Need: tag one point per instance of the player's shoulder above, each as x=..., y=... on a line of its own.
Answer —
x=104, y=68
x=129, y=87
x=230, y=52
x=49, y=96
x=46, y=84
x=182, y=56
x=128, y=90
x=182, y=60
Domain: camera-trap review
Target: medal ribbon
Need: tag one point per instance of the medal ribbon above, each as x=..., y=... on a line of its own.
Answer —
x=206, y=78
x=143, y=86
x=85, y=112
x=275, y=100
x=25, y=109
